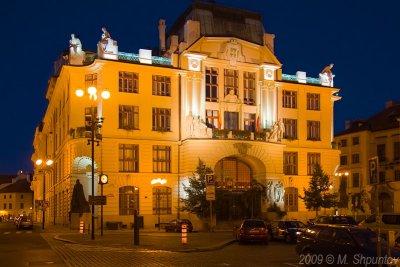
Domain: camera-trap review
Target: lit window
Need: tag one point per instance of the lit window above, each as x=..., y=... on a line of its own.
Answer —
x=161, y=119
x=291, y=199
x=249, y=122
x=162, y=159
x=161, y=85
x=128, y=158
x=128, y=82
x=129, y=117
x=212, y=118
x=211, y=84
x=128, y=200
x=162, y=200
x=231, y=81
x=249, y=88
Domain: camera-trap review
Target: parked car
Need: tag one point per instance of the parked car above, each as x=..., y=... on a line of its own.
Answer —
x=25, y=222
x=334, y=219
x=176, y=225
x=287, y=230
x=352, y=244
x=252, y=230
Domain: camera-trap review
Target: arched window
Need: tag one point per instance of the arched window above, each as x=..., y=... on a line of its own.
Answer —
x=291, y=199
x=162, y=200
x=128, y=200
x=231, y=173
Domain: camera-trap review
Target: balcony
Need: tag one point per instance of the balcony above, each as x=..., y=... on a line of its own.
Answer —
x=237, y=135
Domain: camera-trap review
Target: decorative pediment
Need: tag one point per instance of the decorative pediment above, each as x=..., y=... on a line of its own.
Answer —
x=232, y=51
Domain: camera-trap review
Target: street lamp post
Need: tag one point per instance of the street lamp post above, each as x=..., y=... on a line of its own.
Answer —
x=40, y=163
x=161, y=182
x=95, y=122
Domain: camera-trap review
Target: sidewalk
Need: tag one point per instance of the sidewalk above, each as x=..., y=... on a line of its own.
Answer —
x=148, y=239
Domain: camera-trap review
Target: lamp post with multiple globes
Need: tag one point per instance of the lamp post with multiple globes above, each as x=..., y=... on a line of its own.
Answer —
x=95, y=123
x=42, y=165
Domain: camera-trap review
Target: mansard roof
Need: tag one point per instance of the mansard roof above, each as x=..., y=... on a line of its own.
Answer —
x=221, y=21
x=384, y=120
x=20, y=186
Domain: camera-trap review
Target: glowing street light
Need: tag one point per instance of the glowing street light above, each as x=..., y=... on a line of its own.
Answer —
x=42, y=166
x=95, y=123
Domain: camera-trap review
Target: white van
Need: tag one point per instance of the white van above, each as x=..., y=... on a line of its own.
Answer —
x=389, y=222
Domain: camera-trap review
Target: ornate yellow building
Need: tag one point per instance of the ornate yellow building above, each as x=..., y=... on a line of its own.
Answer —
x=217, y=94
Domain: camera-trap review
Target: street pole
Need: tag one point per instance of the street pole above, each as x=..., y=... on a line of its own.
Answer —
x=158, y=207
x=378, y=221
x=101, y=211
x=44, y=202
x=92, y=143
x=135, y=228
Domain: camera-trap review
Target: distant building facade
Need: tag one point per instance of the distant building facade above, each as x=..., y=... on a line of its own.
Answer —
x=378, y=136
x=16, y=197
x=217, y=94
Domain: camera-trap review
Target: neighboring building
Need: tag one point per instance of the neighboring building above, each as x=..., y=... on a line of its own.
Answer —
x=378, y=136
x=16, y=197
x=217, y=94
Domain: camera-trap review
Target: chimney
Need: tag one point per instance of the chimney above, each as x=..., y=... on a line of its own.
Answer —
x=347, y=124
x=390, y=104
x=161, y=32
x=269, y=41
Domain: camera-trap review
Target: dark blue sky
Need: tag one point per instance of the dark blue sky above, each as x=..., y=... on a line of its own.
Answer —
x=361, y=37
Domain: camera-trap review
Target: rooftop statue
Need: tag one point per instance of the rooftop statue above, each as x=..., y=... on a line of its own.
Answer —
x=76, y=54
x=326, y=76
x=107, y=48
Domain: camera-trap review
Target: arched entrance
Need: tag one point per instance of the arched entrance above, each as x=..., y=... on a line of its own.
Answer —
x=238, y=196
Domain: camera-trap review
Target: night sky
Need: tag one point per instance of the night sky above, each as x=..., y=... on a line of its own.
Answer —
x=361, y=37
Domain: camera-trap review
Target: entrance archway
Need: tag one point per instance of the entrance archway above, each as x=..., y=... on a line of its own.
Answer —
x=238, y=193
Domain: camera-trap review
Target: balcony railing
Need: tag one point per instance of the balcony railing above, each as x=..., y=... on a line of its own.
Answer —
x=238, y=135
x=231, y=185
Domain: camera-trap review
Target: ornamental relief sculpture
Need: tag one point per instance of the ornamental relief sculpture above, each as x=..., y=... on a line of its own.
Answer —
x=232, y=51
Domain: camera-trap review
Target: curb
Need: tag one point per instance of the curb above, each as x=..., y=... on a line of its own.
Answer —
x=189, y=250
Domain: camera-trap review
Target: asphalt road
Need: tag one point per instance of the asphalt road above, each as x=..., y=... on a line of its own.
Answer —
x=25, y=248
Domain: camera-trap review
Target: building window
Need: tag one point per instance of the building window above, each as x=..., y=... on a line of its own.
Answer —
x=343, y=160
x=290, y=129
x=90, y=80
x=343, y=142
x=355, y=158
x=231, y=81
x=249, y=122
x=382, y=177
x=313, y=101
x=128, y=82
x=396, y=151
x=381, y=152
x=5, y=206
x=312, y=160
x=231, y=120
x=249, y=88
x=289, y=99
x=397, y=175
x=161, y=119
x=356, y=140
x=212, y=119
x=356, y=179
x=21, y=206
x=128, y=200
x=211, y=84
x=291, y=199
x=313, y=130
x=162, y=200
x=290, y=163
x=10, y=206
x=162, y=159
x=10, y=196
x=21, y=196
x=128, y=158
x=129, y=117
x=161, y=85
x=5, y=197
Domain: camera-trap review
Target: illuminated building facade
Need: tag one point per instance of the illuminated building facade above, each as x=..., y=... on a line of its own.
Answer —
x=217, y=94
x=378, y=136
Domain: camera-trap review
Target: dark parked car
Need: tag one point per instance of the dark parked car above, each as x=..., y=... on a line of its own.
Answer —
x=176, y=225
x=287, y=230
x=340, y=245
x=252, y=230
x=334, y=219
x=24, y=222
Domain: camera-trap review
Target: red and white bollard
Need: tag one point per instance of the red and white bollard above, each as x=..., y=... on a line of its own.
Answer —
x=184, y=234
x=81, y=227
